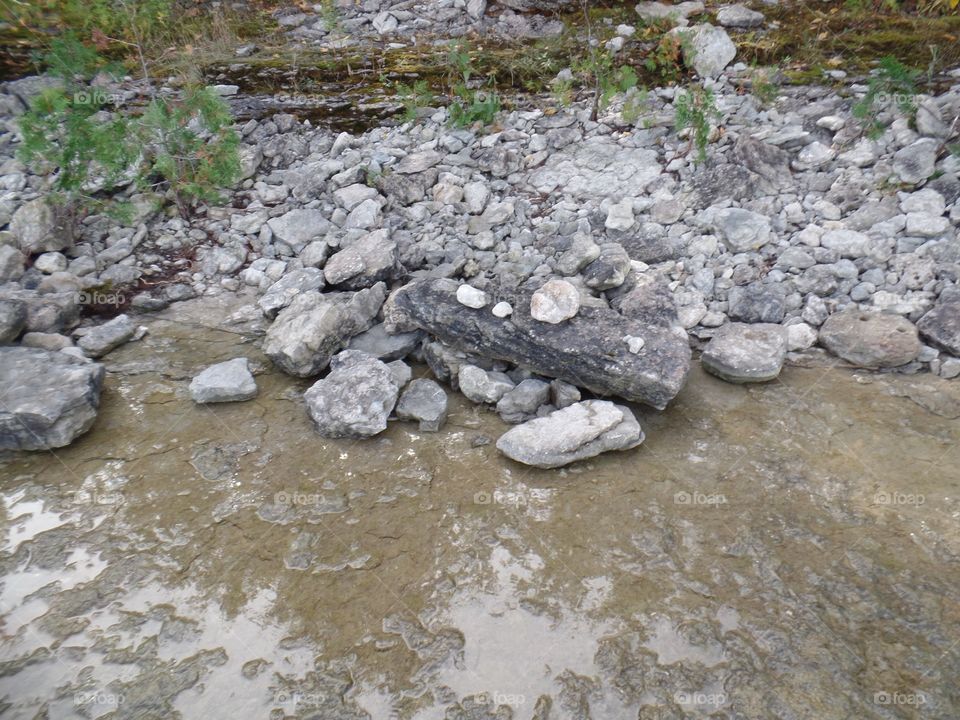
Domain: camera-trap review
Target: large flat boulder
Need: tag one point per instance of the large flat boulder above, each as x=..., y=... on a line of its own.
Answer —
x=582, y=430
x=588, y=350
x=48, y=398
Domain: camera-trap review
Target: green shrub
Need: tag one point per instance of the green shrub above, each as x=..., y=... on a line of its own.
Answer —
x=190, y=143
x=468, y=104
x=894, y=83
x=695, y=107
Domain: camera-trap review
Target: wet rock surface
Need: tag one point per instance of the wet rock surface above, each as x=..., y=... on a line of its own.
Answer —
x=576, y=432
x=748, y=588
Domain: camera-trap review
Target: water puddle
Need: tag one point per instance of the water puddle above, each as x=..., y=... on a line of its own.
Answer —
x=787, y=550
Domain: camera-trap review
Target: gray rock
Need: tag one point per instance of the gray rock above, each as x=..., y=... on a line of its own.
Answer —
x=709, y=51
x=582, y=430
x=870, y=339
x=283, y=291
x=563, y=394
x=656, y=11
x=770, y=164
x=13, y=319
x=424, y=400
x=556, y=300
x=229, y=381
x=620, y=215
x=355, y=399
x=849, y=243
x=482, y=386
x=916, y=162
x=47, y=341
x=365, y=262
x=757, y=303
x=298, y=227
x=476, y=195
x=100, y=340
x=609, y=270
x=941, y=325
x=38, y=227
x=400, y=370
x=385, y=346
x=417, y=162
x=741, y=353
x=653, y=376
x=365, y=216
x=740, y=230
x=581, y=252
x=521, y=403
x=315, y=326
x=49, y=398
x=11, y=263
x=50, y=262
x=738, y=16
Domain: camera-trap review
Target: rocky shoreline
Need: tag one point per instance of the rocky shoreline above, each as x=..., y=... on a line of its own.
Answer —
x=529, y=264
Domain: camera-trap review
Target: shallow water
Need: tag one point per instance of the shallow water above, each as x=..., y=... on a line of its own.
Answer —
x=779, y=551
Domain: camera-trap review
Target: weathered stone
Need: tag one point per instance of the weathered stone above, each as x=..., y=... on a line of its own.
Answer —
x=49, y=398
x=298, y=227
x=229, y=381
x=709, y=51
x=521, y=403
x=739, y=16
x=582, y=430
x=11, y=263
x=37, y=227
x=740, y=230
x=609, y=270
x=385, y=346
x=355, y=399
x=13, y=319
x=472, y=297
x=941, y=325
x=757, y=303
x=916, y=162
x=365, y=262
x=742, y=353
x=483, y=386
x=653, y=376
x=283, y=291
x=426, y=401
x=555, y=301
x=315, y=326
x=870, y=340
x=100, y=340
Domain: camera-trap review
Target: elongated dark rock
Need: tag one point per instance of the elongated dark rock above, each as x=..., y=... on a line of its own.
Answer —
x=589, y=350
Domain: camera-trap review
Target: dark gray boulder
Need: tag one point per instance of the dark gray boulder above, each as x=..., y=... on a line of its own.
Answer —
x=355, y=399
x=587, y=350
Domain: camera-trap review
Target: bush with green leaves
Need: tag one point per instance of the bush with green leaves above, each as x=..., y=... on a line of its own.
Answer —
x=190, y=147
x=893, y=84
x=695, y=108
x=89, y=145
x=469, y=104
x=413, y=98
